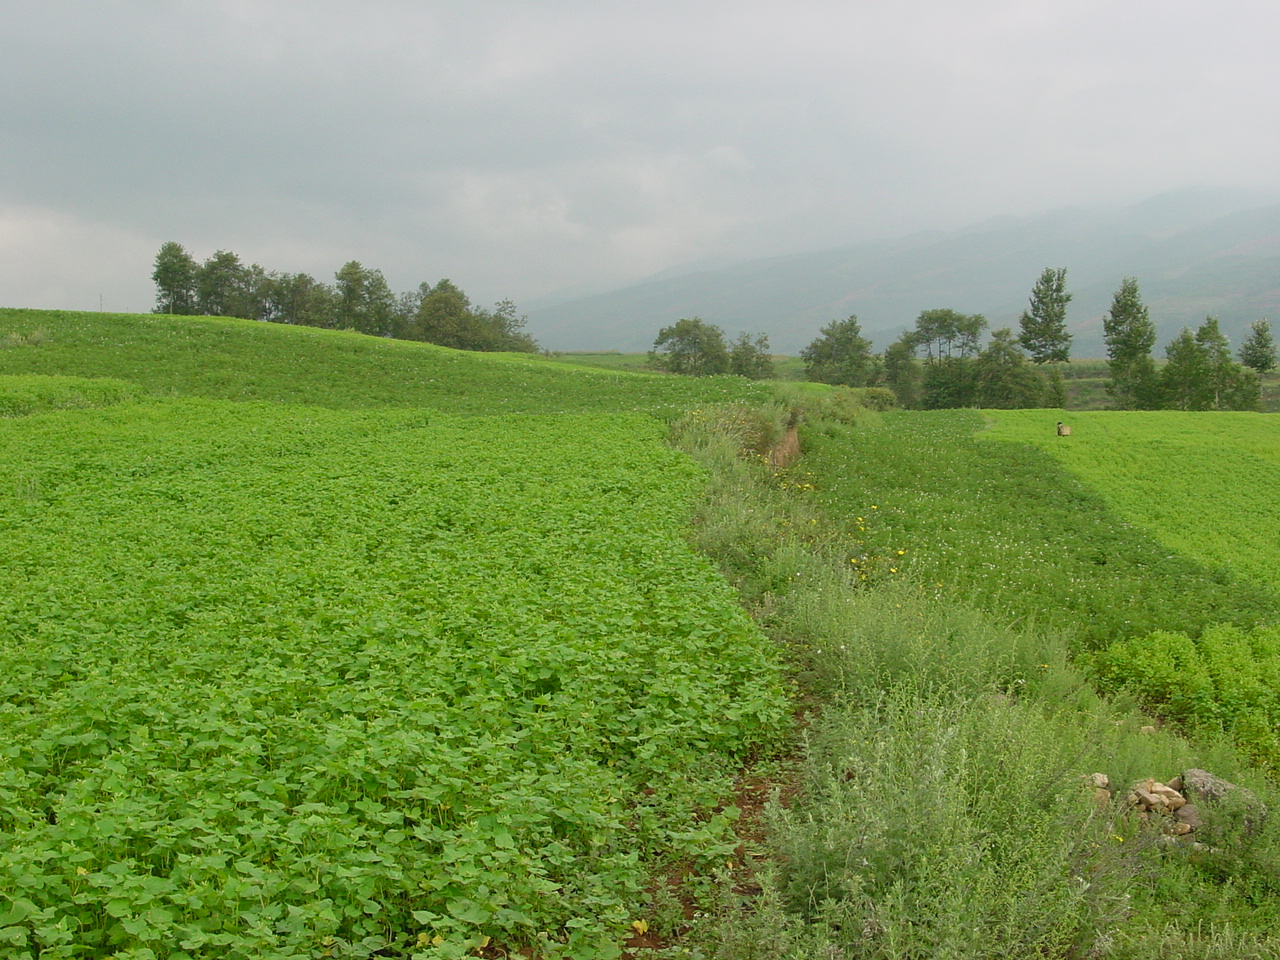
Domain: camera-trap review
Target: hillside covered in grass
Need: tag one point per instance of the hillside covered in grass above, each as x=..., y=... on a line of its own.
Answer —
x=231, y=359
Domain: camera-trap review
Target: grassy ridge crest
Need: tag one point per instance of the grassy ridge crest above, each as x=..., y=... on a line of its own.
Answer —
x=246, y=360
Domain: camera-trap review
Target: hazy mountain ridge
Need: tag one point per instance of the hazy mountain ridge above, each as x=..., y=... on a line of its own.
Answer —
x=1194, y=253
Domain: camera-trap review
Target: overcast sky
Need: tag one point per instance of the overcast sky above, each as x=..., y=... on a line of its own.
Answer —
x=523, y=148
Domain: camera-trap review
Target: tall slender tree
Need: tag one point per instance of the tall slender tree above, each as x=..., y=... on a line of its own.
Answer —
x=1043, y=324
x=1129, y=335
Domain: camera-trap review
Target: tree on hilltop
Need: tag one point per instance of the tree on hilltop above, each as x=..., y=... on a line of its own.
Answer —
x=225, y=287
x=363, y=300
x=175, y=278
x=690, y=346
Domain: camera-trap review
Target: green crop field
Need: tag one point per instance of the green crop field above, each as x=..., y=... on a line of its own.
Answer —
x=245, y=360
x=1008, y=525
x=314, y=645
x=281, y=676
x=1205, y=485
x=291, y=680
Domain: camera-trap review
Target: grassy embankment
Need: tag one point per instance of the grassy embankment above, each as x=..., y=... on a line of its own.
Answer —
x=939, y=593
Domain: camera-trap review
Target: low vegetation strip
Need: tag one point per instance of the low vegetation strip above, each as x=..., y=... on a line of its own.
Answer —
x=1203, y=484
x=21, y=395
x=292, y=682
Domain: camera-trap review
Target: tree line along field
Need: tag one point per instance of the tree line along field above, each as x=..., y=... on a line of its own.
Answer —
x=322, y=645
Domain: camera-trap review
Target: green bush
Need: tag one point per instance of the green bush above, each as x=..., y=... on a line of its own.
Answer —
x=1227, y=680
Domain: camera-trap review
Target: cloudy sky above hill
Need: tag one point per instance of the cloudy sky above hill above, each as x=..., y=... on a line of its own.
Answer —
x=523, y=148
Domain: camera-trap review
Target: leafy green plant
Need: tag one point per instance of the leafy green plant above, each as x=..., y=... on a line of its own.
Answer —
x=281, y=681
x=1228, y=679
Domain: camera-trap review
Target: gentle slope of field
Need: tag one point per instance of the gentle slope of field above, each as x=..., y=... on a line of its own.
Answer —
x=439, y=674
x=245, y=360
x=1204, y=485
x=291, y=680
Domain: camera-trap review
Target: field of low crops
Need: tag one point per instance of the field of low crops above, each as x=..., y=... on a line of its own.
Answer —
x=245, y=360
x=284, y=680
x=319, y=645
x=1010, y=527
x=1204, y=486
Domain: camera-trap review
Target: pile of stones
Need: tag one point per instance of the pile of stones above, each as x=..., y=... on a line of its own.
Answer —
x=1185, y=805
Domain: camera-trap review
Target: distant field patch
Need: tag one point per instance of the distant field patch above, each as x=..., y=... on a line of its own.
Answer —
x=246, y=360
x=1204, y=484
x=280, y=681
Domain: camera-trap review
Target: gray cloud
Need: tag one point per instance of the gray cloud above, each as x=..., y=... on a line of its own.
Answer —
x=521, y=148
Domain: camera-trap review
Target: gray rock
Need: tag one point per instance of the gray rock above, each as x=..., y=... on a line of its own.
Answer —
x=1231, y=806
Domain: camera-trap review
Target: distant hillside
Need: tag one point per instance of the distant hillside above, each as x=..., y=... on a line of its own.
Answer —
x=230, y=359
x=1194, y=254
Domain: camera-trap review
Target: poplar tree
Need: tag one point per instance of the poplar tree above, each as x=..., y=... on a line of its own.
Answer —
x=175, y=278
x=1129, y=335
x=1044, y=324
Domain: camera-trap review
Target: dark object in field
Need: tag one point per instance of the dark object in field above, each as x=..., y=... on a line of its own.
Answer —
x=1063, y=429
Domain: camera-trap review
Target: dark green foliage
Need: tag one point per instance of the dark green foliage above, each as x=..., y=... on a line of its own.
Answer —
x=1005, y=380
x=363, y=301
x=298, y=298
x=839, y=355
x=948, y=383
x=225, y=287
x=1044, y=325
x=902, y=373
x=1200, y=374
x=948, y=377
x=749, y=357
x=1130, y=335
x=359, y=300
x=692, y=347
x=175, y=278
x=1258, y=352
